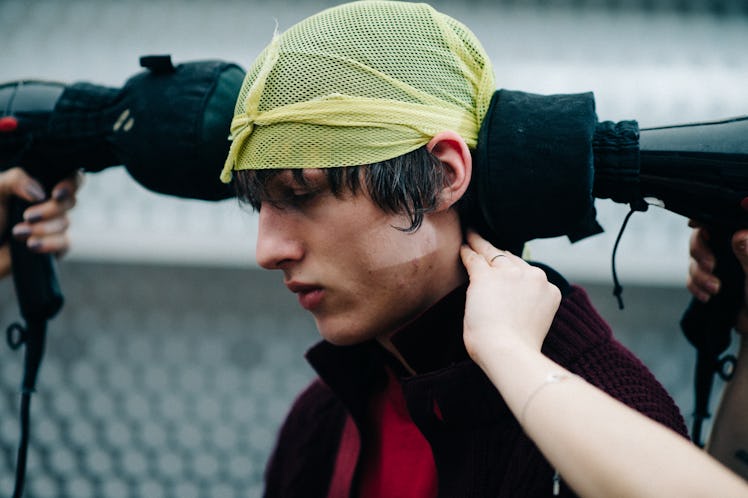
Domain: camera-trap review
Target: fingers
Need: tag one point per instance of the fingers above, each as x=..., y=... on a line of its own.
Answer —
x=701, y=283
x=45, y=224
x=67, y=188
x=740, y=248
x=701, y=280
x=45, y=228
x=483, y=251
x=4, y=260
x=479, y=255
x=510, y=303
x=46, y=236
x=16, y=181
x=54, y=207
x=470, y=258
x=699, y=250
x=495, y=257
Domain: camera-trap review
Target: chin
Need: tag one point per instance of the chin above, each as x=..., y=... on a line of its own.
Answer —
x=346, y=339
x=343, y=335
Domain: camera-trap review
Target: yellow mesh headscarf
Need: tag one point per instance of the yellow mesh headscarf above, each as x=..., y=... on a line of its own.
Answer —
x=357, y=84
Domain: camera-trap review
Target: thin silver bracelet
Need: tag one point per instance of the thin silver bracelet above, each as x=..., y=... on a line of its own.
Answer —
x=551, y=378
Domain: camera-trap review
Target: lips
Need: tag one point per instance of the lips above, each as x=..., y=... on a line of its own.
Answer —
x=310, y=296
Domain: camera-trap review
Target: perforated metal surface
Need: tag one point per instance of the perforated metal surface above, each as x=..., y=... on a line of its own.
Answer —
x=172, y=381
x=157, y=382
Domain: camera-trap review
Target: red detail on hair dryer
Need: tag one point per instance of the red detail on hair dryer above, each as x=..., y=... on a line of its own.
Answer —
x=8, y=124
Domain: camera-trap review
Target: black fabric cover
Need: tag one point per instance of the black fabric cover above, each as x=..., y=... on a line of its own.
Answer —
x=168, y=125
x=534, y=168
x=179, y=140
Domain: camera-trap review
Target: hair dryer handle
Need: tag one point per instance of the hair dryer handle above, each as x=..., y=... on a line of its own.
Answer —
x=708, y=325
x=39, y=296
x=34, y=275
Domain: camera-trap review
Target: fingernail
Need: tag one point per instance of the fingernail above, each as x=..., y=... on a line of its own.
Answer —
x=32, y=216
x=21, y=230
x=61, y=194
x=34, y=244
x=35, y=191
x=713, y=285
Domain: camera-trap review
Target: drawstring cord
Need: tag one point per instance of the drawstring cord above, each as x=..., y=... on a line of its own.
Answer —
x=617, y=287
x=641, y=205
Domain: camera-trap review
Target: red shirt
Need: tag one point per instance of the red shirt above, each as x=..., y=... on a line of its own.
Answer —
x=399, y=463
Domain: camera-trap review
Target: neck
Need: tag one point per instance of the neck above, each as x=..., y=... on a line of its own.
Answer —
x=433, y=339
x=386, y=343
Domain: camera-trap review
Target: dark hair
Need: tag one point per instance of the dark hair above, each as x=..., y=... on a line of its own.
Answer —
x=407, y=184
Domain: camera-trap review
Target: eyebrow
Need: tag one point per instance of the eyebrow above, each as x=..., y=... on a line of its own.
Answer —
x=285, y=182
x=286, y=179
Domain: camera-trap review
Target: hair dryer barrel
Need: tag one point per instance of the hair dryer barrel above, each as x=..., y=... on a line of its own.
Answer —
x=698, y=170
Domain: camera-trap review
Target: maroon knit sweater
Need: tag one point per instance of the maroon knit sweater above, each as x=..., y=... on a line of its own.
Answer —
x=479, y=448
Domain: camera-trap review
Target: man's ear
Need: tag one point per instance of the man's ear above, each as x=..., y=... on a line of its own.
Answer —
x=451, y=149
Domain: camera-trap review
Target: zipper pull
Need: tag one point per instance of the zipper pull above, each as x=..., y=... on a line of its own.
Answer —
x=556, y=483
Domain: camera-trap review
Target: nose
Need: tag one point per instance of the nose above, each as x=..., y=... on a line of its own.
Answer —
x=277, y=242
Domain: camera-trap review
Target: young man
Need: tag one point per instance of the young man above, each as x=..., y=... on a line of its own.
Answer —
x=352, y=136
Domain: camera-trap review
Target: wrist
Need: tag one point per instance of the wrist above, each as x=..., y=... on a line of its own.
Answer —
x=507, y=358
x=497, y=348
x=553, y=377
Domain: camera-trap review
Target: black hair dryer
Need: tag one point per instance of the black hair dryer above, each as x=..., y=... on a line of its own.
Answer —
x=543, y=159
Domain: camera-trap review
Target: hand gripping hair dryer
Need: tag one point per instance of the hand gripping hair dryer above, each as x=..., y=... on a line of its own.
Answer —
x=168, y=126
x=541, y=161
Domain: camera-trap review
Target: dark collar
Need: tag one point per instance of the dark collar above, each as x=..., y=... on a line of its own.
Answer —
x=434, y=339
x=431, y=342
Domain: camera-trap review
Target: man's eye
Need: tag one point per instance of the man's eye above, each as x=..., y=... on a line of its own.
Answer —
x=299, y=198
x=294, y=199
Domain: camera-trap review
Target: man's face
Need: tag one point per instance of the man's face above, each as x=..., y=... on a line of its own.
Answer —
x=346, y=260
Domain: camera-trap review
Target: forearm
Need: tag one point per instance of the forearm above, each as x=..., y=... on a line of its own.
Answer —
x=729, y=438
x=600, y=446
